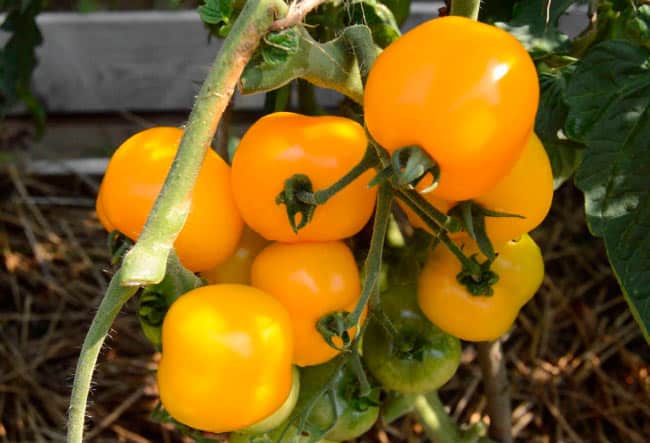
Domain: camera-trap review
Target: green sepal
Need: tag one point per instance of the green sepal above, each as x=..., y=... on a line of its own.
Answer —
x=155, y=300
x=295, y=206
x=478, y=284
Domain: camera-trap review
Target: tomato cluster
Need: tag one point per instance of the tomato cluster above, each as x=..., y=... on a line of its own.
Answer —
x=231, y=347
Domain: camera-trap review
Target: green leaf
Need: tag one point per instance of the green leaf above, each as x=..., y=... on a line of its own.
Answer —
x=277, y=47
x=18, y=58
x=534, y=24
x=633, y=24
x=377, y=16
x=333, y=64
x=215, y=12
x=219, y=15
x=609, y=110
x=565, y=154
x=400, y=9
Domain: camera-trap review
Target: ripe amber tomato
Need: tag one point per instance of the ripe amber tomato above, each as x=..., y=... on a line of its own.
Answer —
x=134, y=178
x=466, y=92
x=237, y=269
x=282, y=144
x=527, y=190
x=226, y=357
x=449, y=305
x=310, y=280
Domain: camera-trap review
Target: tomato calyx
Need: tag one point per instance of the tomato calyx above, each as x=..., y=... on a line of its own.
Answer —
x=294, y=186
x=410, y=346
x=335, y=325
x=481, y=283
x=411, y=164
x=299, y=197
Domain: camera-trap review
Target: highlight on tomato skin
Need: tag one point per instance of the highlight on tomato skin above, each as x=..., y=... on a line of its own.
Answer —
x=464, y=91
x=324, y=148
x=310, y=280
x=133, y=179
x=226, y=357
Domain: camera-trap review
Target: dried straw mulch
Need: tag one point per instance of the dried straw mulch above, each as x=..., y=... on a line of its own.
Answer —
x=577, y=361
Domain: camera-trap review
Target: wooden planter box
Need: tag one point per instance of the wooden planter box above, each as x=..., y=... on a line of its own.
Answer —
x=147, y=61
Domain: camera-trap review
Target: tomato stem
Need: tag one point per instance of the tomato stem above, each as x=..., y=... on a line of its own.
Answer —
x=497, y=390
x=372, y=265
x=146, y=262
x=116, y=296
x=368, y=161
x=355, y=359
x=436, y=421
x=426, y=211
x=465, y=8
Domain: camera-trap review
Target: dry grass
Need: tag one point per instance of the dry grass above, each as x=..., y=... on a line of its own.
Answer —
x=578, y=363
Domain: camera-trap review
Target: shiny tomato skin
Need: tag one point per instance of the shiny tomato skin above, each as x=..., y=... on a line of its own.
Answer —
x=324, y=148
x=310, y=280
x=527, y=190
x=449, y=305
x=466, y=92
x=226, y=357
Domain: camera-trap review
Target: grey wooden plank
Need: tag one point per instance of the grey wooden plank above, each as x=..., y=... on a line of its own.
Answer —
x=149, y=60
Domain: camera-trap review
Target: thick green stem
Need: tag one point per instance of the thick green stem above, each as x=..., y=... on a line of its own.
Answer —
x=397, y=405
x=307, y=103
x=372, y=266
x=438, y=425
x=465, y=8
x=110, y=306
x=145, y=263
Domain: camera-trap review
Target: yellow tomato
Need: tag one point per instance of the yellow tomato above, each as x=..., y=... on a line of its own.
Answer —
x=466, y=92
x=449, y=305
x=134, y=178
x=527, y=190
x=325, y=148
x=310, y=280
x=226, y=357
x=237, y=269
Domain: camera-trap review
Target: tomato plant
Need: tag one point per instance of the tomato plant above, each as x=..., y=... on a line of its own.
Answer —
x=344, y=413
x=469, y=126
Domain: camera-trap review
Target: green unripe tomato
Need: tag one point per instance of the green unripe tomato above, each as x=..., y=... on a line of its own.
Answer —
x=356, y=414
x=420, y=358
